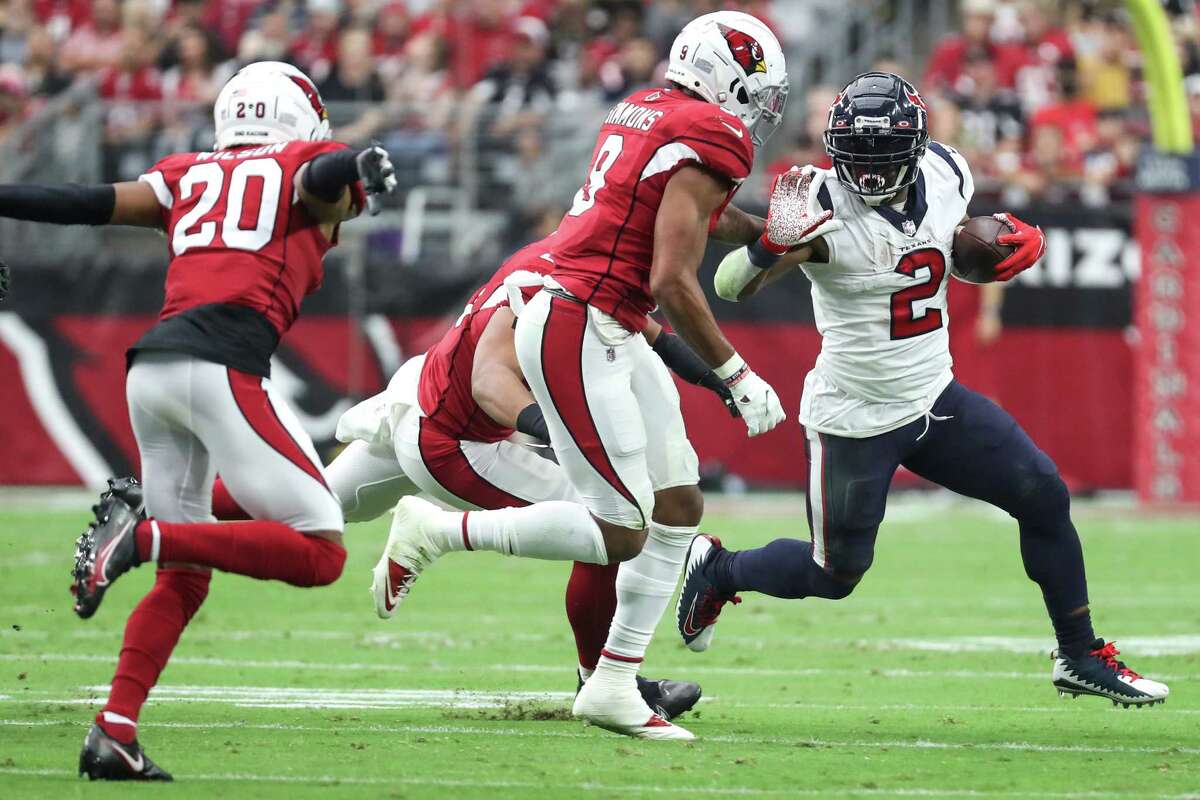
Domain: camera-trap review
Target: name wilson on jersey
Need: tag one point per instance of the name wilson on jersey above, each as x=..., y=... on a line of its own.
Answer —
x=633, y=116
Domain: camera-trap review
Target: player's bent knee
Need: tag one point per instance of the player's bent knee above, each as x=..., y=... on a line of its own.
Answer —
x=1046, y=495
x=622, y=544
x=327, y=558
x=839, y=586
x=679, y=506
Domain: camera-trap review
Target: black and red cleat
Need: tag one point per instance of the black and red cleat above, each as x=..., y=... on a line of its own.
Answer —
x=700, y=602
x=103, y=553
x=129, y=490
x=105, y=759
x=1099, y=673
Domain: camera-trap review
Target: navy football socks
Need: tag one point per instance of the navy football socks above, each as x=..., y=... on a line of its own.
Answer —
x=783, y=568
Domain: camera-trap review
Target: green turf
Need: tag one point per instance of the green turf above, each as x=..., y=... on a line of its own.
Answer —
x=877, y=695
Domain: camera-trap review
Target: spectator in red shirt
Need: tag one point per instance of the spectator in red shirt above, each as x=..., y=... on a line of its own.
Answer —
x=1071, y=114
x=391, y=36
x=98, y=44
x=227, y=19
x=315, y=49
x=949, y=58
x=478, y=33
x=196, y=78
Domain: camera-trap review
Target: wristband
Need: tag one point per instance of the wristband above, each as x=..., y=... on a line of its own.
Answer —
x=732, y=370
x=761, y=255
x=532, y=422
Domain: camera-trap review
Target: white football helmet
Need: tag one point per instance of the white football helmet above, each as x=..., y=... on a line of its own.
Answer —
x=732, y=59
x=268, y=102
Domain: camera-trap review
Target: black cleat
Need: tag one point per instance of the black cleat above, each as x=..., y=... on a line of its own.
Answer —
x=667, y=698
x=103, y=758
x=130, y=491
x=1099, y=673
x=700, y=602
x=103, y=553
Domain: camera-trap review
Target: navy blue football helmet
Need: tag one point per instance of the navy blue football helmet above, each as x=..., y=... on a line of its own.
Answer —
x=876, y=135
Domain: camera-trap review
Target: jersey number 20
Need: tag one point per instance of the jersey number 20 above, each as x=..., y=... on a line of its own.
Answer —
x=211, y=176
x=905, y=324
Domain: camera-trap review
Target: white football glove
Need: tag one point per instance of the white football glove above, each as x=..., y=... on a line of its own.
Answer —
x=377, y=174
x=755, y=399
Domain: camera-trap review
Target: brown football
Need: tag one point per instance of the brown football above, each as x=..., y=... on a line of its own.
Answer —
x=976, y=253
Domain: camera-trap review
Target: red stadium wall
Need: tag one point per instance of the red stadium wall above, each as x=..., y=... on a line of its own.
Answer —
x=1068, y=387
x=1062, y=365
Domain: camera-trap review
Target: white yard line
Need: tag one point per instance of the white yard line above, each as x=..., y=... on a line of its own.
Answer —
x=620, y=788
x=692, y=668
x=538, y=731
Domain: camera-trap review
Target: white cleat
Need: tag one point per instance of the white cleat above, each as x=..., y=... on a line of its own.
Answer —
x=617, y=706
x=411, y=548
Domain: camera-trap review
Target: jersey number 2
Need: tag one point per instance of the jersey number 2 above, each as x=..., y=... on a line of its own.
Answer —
x=585, y=198
x=905, y=324
x=189, y=234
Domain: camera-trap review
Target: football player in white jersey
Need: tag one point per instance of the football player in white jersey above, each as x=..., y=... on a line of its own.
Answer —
x=882, y=393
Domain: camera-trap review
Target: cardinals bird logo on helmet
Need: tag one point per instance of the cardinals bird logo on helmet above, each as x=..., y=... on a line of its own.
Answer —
x=745, y=49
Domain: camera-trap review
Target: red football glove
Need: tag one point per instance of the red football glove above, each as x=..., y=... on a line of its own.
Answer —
x=1030, y=244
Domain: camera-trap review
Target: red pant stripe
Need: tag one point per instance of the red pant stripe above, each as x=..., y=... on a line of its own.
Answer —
x=448, y=465
x=255, y=405
x=562, y=357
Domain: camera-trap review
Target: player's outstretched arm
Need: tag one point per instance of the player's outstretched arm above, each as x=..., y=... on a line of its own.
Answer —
x=683, y=361
x=792, y=236
x=736, y=226
x=323, y=184
x=680, y=234
x=127, y=203
x=498, y=385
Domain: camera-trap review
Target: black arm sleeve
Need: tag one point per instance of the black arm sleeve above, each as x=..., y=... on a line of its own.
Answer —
x=329, y=174
x=684, y=362
x=531, y=422
x=69, y=204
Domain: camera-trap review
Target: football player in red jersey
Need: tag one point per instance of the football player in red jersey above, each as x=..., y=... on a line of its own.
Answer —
x=666, y=164
x=247, y=226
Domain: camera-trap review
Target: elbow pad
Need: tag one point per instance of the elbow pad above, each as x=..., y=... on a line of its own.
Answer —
x=69, y=204
x=734, y=273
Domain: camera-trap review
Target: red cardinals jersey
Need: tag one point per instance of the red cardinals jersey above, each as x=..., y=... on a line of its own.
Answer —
x=605, y=244
x=244, y=251
x=445, y=388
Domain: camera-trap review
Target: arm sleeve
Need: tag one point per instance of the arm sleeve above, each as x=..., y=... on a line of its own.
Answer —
x=358, y=196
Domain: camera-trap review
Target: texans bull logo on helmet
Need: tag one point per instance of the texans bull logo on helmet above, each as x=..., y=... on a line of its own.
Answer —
x=745, y=49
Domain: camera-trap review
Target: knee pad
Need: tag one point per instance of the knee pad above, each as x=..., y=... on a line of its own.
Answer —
x=836, y=587
x=326, y=559
x=1045, y=495
x=850, y=557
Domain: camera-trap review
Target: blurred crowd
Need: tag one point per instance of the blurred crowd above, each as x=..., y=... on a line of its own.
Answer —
x=1044, y=97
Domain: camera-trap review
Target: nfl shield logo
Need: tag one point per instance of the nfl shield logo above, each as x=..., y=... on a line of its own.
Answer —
x=910, y=227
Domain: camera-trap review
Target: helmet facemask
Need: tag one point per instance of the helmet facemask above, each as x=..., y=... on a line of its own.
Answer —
x=876, y=136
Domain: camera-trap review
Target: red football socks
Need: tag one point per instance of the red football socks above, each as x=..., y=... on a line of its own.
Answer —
x=591, y=603
x=257, y=549
x=150, y=636
x=224, y=507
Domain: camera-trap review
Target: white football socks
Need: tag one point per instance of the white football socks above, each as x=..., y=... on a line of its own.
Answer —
x=644, y=588
x=555, y=530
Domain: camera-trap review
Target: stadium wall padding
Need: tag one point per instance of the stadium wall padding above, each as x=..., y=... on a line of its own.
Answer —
x=1063, y=365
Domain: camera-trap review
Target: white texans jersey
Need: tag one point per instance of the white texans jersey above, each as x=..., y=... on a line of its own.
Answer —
x=880, y=302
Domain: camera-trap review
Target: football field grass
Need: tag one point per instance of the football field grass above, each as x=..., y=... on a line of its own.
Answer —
x=931, y=680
